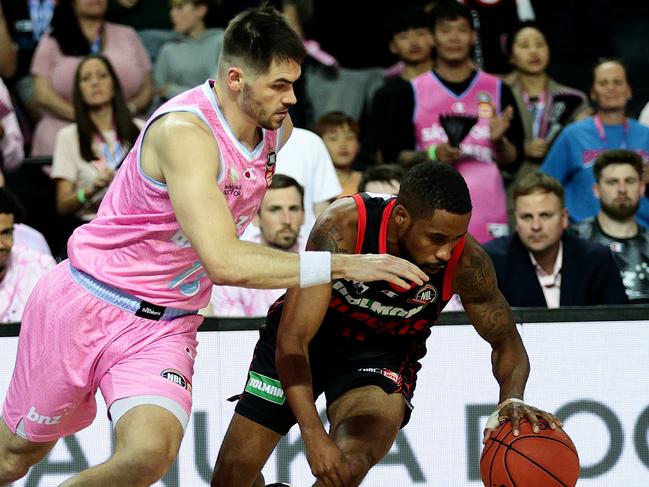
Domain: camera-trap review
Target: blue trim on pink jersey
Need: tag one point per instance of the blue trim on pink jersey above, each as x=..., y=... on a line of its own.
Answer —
x=476, y=77
x=250, y=155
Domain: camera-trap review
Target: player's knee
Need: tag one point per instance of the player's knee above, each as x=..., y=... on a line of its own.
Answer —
x=360, y=463
x=148, y=465
x=13, y=466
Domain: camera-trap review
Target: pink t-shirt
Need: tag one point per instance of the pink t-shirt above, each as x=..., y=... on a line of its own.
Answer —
x=477, y=165
x=11, y=143
x=24, y=268
x=135, y=243
x=122, y=47
x=238, y=302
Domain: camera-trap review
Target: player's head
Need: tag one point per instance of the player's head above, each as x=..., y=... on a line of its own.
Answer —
x=340, y=133
x=383, y=179
x=611, y=90
x=432, y=214
x=410, y=36
x=619, y=186
x=528, y=49
x=453, y=32
x=11, y=212
x=541, y=216
x=260, y=61
x=281, y=213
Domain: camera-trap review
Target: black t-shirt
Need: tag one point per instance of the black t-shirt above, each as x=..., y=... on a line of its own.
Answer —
x=390, y=127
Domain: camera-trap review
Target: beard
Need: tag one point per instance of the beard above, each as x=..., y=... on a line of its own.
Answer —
x=254, y=108
x=427, y=267
x=620, y=211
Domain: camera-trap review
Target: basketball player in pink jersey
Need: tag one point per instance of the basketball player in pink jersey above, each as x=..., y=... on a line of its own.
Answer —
x=120, y=314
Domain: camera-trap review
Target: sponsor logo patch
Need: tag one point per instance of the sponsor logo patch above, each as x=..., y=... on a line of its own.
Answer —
x=265, y=387
x=388, y=374
x=270, y=167
x=425, y=295
x=176, y=377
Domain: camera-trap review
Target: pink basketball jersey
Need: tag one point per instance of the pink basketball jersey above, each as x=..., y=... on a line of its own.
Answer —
x=135, y=243
x=482, y=175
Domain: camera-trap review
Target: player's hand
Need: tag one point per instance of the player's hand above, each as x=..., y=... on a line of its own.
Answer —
x=328, y=463
x=447, y=154
x=514, y=412
x=377, y=267
x=536, y=148
x=500, y=124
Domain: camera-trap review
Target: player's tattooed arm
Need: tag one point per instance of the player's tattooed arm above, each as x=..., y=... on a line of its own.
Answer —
x=335, y=229
x=475, y=281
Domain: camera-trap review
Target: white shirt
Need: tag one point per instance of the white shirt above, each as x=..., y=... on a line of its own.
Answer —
x=550, y=283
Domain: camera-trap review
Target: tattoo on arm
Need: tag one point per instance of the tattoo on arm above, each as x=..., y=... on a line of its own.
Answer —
x=328, y=236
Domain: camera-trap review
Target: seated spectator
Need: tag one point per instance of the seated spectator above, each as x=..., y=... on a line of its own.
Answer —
x=190, y=59
x=88, y=152
x=79, y=29
x=280, y=217
x=383, y=179
x=619, y=188
x=340, y=133
x=11, y=139
x=541, y=264
x=20, y=267
x=571, y=157
x=411, y=41
x=545, y=106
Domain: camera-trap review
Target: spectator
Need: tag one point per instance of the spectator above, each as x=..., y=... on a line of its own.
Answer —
x=545, y=106
x=190, y=59
x=456, y=87
x=340, y=133
x=20, y=267
x=8, y=48
x=619, y=188
x=411, y=41
x=78, y=29
x=88, y=152
x=383, y=179
x=571, y=158
x=11, y=139
x=279, y=219
x=540, y=264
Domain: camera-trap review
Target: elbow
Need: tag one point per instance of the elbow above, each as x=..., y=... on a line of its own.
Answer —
x=224, y=273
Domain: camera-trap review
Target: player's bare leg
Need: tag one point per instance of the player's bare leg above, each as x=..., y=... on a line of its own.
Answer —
x=18, y=454
x=244, y=452
x=364, y=425
x=147, y=441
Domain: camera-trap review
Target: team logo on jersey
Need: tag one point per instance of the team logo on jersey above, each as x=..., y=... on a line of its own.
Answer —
x=458, y=107
x=249, y=174
x=617, y=246
x=176, y=377
x=387, y=373
x=270, y=166
x=485, y=107
x=359, y=287
x=425, y=295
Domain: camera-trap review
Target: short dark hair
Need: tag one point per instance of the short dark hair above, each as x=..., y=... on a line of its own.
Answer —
x=11, y=205
x=617, y=156
x=431, y=186
x=538, y=182
x=257, y=37
x=451, y=11
x=384, y=173
x=403, y=19
x=333, y=120
x=281, y=181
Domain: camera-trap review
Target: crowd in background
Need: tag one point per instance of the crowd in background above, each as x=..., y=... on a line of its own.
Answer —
x=534, y=102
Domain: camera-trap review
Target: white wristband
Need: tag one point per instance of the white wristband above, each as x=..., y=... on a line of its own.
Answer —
x=315, y=268
x=493, y=421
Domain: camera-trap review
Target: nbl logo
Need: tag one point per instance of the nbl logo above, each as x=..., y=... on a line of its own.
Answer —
x=270, y=167
x=425, y=295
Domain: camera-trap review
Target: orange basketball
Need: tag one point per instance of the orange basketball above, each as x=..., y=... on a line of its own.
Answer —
x=544, y=459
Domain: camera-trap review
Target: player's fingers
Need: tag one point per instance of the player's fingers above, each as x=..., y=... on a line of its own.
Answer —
x=516, y=420
x=533, y=419
x=486, y=434
x=406, y=270
x=552, y=420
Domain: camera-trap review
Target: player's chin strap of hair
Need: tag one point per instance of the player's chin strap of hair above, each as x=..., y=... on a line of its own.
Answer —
x=494, y=419
x=315, y=268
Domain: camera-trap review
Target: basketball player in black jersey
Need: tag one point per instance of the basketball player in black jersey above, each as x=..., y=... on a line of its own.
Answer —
x=360, y=343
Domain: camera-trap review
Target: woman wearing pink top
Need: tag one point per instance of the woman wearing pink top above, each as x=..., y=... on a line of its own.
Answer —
x=78, y=29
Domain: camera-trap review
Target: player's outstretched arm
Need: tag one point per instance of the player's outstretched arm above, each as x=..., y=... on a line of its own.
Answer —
x=186, y=158
x=302, y=315
x=491, y=315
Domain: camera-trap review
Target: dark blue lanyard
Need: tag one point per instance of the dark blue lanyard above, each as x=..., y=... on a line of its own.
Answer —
x=40, y=13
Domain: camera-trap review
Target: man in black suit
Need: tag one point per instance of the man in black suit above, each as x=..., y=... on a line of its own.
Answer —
x=541, y=264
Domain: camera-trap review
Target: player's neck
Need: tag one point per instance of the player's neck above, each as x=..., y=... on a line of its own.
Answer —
x=411, y=71
x=243, y=127
x=102, y=118
x=612, y=117
x=454, y=72
x=196, y=32
x=534, y=84
x=627, y=228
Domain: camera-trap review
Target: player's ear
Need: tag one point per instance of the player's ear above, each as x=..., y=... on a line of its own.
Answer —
x=401, y=216
x=234, y=79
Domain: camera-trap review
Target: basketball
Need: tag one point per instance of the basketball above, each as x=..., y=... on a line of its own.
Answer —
x=544, y=459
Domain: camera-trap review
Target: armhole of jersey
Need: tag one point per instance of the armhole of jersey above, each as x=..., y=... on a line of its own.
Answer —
x=362, y=222
x=447, y=292
x=385, y=219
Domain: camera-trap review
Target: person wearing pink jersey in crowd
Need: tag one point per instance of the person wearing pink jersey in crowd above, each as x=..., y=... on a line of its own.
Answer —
x=120, y=314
